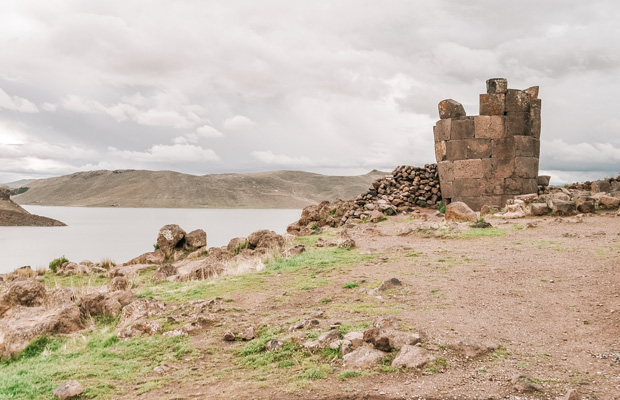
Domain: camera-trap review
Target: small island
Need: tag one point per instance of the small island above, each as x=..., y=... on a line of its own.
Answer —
x=12, y=214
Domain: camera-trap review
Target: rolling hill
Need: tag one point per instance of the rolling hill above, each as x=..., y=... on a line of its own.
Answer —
x=167, y=189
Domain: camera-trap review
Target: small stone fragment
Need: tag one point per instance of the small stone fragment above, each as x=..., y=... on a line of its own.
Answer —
x=69, y=389
x=451, y=109
x=229, y=336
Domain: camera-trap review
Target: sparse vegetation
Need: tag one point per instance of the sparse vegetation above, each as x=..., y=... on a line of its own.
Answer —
x=351, y=285
x=57, y=262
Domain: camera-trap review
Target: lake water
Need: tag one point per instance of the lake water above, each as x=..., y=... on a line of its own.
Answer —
x=124, y=233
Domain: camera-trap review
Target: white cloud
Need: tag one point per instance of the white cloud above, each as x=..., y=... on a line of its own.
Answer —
x=16, y=103
x=238, y=122
x=176, y=153
x=580, y=156
x=268, y=157
x=207, y=131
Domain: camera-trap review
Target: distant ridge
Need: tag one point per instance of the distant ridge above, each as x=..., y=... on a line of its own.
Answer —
x=167, y=189
x=12, y=214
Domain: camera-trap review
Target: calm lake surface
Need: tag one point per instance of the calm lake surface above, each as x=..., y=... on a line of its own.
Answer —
x=124, y=233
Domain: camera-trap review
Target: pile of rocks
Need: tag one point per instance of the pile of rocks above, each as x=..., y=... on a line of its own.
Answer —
x=604, y=185
x=402, y=190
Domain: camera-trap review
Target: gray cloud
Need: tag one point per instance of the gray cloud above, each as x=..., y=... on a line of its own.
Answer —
x=339, y=87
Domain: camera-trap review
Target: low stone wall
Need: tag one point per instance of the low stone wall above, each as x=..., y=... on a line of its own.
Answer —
x=489, y=158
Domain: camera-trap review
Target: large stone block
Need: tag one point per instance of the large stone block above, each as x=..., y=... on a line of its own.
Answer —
x=529, y=186
x=476, y=203
x=492, y=104
x=445, y=169
x=526, y=146
x=442, y=130
x=543, y=180
x=462, y=128
x=503, y=148
x=517, y=124
x=440, y=151
x=456, y=150
x=493, y=187
x=450, y=109
x=466, y=187
x=517, y=101
x=513, y=186
x=478, y=148
x=489, y=126
x=468, y=169
x=503, y=167
x=526, y=167
x=535, y=118
x=446, y=189
x=600, y=186
x=497, y=85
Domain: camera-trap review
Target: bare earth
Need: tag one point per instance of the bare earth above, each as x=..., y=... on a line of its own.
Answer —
x=549, y=294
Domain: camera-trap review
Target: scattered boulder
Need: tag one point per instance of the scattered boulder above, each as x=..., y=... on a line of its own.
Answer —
x=169, y=238
x=389, y=284
x=265, y=239
x=609, y=202
x=163, y=272
x=473, y=349
x=25, y=292
x=517, y=209
x=249, y=333
x=229, y=336
x=71, y=268
x=69, y=389
x=196, y=239
x=600, y=186
x=524, y=384
x=106, y=303
x=564, y=208
x=355, y=338
x=412, y=357
x=140, y=308
x=326, y=338
x=274, y=344
x=539, y=209
x=139, y=327
x=364, y=357
x=347, y=244
x=295, y=250
x=460, y=212
x=585, y=205
x=118, y=283
x=154, y=257
x=376, y=215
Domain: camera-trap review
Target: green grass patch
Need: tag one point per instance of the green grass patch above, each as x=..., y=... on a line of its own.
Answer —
x=96, y=359
x=346, y=328
x=344, y=375
x=57, y=262
x=481, y=232
x=367, y=308
x=317, y=258
x=437, y=365
x=351, y=285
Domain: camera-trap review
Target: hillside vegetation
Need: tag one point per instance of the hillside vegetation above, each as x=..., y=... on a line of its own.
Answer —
x=131, y=188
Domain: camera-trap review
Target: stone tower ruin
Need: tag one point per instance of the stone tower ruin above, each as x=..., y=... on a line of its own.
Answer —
x=489, y=158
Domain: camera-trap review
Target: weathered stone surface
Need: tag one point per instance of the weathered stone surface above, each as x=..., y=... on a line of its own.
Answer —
x=600, y=186
x=169, y=237
x=532, y=92
x=460, y=212
x=539, y=209
x=529, y=185
x=494, y=170
x=478, y=148
x=468, y=169
x=69, y=389
x=412, y=357
x=20, y=325
x=440, y=151
x=608, y=202
x=471, y=349
x=364, y=357
x=442, y=130
x=450, y=109
x=526, y=167
x=535, y=109
x=497, y=85
x=72, y=268
x=25, y=292
x=526, y=146
x=544, y=180
x=517, y=101
x=564, y=208
x=585, y=205
x=163, y=272
x=154, y=257
x=466, y=187
x=356, y=339
x=118, y=283
x=517, y=209
x=446, y=190
x=462, y=128
x=196, y=239
x=139, y=327
x=490, y=126
x=106, y=303
x=503, y=148
x=456, y=150
x=265, y=239
x=141, y=308
x=518, y=124
x=492, y=104
x=327, y=337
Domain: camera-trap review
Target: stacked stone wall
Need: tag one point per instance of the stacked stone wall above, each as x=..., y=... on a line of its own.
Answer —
x=489, y=158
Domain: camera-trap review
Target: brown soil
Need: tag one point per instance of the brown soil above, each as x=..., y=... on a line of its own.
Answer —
x=17, y=218
x=548, y=293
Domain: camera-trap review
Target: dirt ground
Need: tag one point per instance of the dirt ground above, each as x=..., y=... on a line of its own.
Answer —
x=547, y=292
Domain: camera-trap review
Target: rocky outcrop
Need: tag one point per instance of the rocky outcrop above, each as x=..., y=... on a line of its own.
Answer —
x=12, y=214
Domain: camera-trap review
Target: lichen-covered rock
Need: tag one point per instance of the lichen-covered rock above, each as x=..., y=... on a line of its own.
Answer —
x=106, y=303
x=68, y=390
x=196, y=239
x=170, y=237
x=22, y=291
x=118, y=283
x=265, y=239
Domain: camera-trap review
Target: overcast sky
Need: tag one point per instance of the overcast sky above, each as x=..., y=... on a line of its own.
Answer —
x=335, y=86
